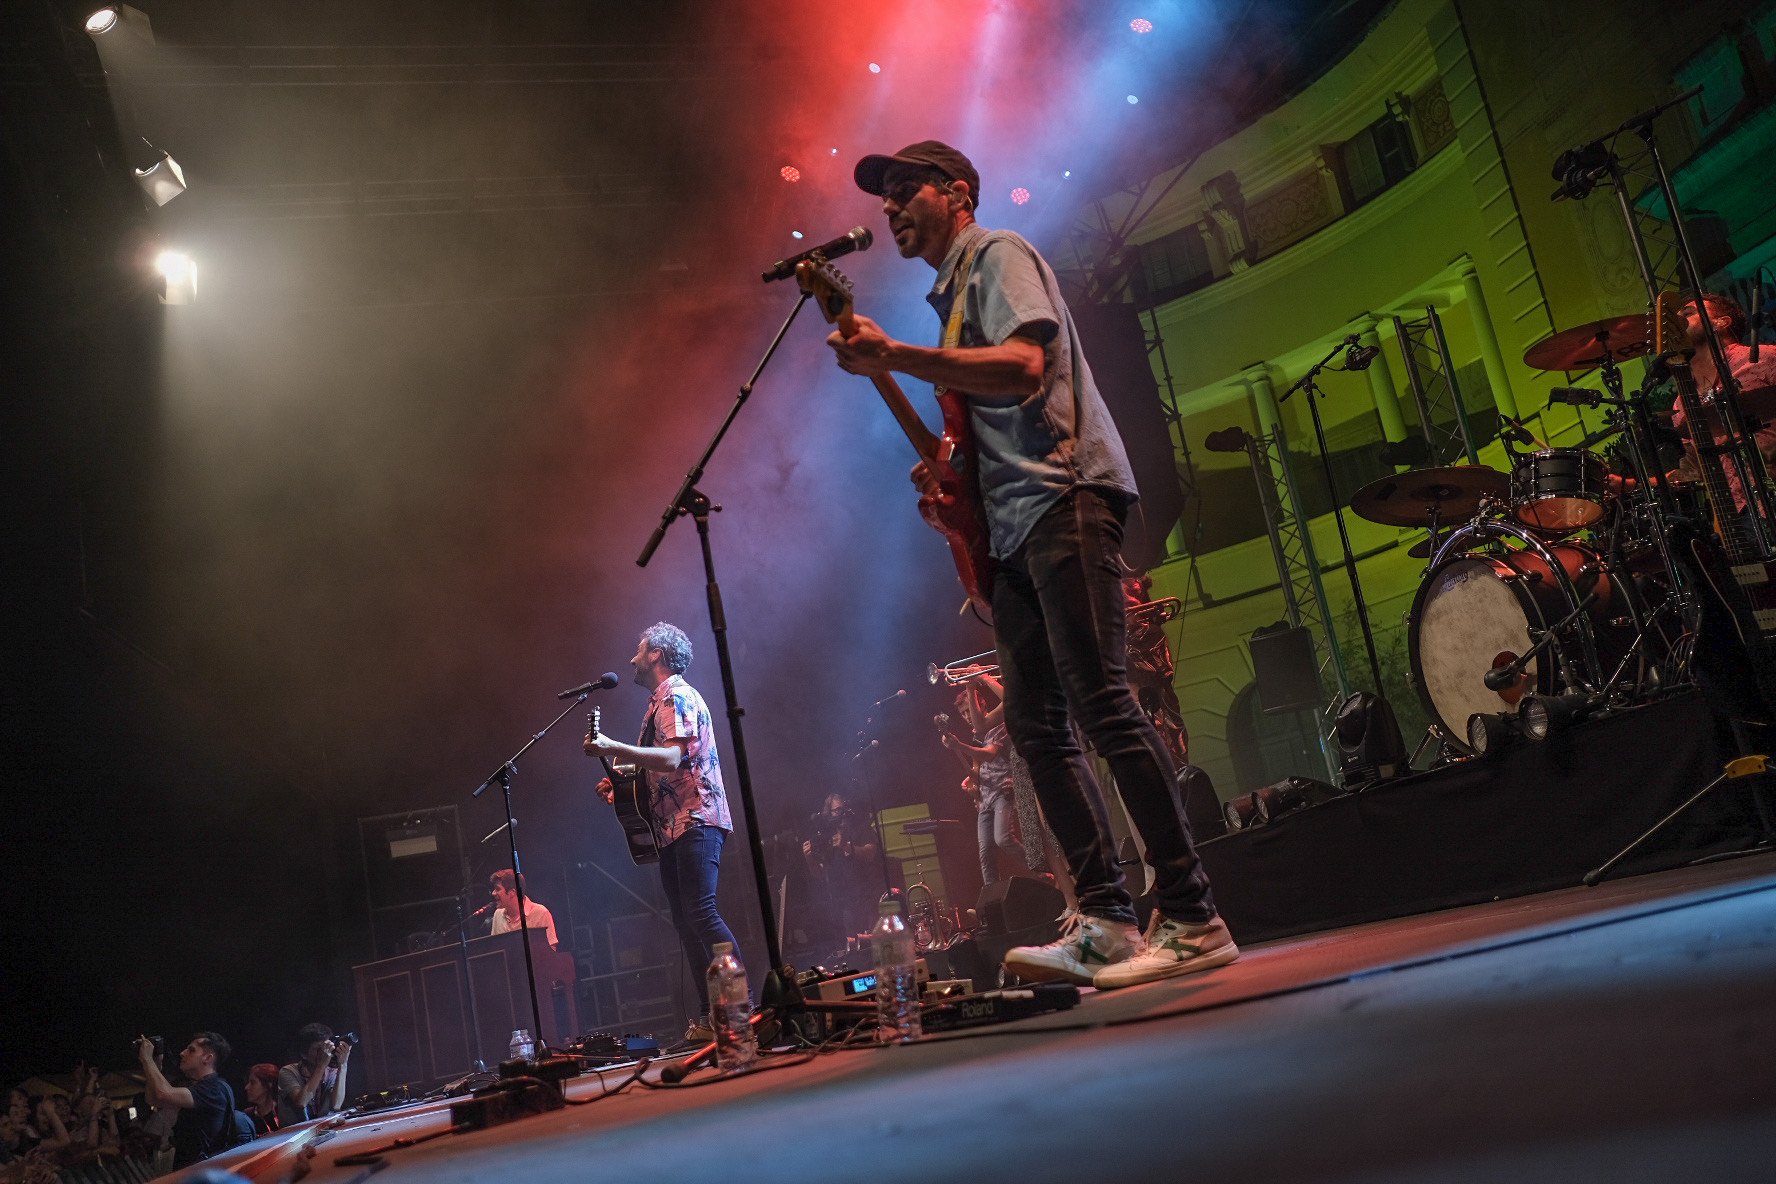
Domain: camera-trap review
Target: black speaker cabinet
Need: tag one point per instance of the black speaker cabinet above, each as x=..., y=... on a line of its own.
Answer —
x=1019, y=903
x=1286, y=669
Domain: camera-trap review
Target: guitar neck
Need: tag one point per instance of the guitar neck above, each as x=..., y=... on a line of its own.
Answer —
x=924, y=442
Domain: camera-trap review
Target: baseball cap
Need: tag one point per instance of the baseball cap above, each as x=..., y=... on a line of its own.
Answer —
x=871, y=170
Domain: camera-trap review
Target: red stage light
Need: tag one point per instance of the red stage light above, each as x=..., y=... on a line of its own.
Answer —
x=1020, y=195
x=790, y=173
x=1141, y=25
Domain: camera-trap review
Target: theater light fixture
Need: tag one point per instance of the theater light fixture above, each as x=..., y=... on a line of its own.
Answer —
x=179, y=275
x=1539, y=716
x=163, y=180
x=116, y=19
x=1490, y=733
x=1240, y=812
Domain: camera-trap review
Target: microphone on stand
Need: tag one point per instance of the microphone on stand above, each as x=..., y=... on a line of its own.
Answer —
x=858, y=238
x=480, y=912
x=605, y=682
x=858, y=755
x=1359, y=356
x=900, y=694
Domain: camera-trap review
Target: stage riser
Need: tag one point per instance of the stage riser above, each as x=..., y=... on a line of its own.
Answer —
x=1527, y=819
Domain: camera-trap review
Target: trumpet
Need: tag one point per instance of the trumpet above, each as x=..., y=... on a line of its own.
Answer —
x=1164, y=609
x=962, y=669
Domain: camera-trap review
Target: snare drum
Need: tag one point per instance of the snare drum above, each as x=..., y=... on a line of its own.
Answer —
x=1558, y=489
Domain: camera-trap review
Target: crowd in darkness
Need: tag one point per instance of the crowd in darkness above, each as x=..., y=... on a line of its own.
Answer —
x=186, y=1109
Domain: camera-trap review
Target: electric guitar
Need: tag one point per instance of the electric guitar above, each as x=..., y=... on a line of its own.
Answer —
x=629, y=798
x=956, y=511
x=970, y=786
x=1745, y=583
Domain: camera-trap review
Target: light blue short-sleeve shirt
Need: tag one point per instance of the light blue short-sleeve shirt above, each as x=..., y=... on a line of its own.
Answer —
x=1030, y=453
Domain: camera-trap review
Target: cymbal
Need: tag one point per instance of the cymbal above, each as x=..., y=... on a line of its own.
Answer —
x=1584, y=346
x=1421, y=549
x=1407, y=498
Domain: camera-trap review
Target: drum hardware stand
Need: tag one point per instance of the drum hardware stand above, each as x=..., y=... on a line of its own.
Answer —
x=1579, y=171
x=1308, y=384
x=1736, y=769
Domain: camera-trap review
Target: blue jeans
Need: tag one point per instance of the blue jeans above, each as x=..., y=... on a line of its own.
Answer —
x=993, y=830
x=1062, y=630
x=688, y=868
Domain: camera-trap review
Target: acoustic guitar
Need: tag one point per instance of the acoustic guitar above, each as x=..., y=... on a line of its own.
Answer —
x=629, y=798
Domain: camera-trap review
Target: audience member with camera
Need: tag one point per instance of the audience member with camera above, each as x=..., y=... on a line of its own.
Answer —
x=205, y=1104
x=314, y=1084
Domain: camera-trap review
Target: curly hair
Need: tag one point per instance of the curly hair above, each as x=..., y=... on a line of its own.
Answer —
x=670, y=640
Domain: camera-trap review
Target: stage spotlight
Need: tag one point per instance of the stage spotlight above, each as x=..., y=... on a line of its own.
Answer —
x=875, y=69
x=1241, y=812
x=1141, y=25
x=1019, y=196
x=1539, y=716
x=163, y=180
x=1132, y=99
x=115, y=18
x=795, y=234
x=1490, y=733
x=179, y=275
x=790, y=173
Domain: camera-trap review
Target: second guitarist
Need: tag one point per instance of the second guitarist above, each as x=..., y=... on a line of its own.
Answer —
x=986, y=754
x=686, y=798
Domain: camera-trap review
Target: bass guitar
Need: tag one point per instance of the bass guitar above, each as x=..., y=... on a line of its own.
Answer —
x=956, y=511
x=629, y=798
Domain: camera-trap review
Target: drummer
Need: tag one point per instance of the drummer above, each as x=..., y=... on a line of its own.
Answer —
x=1730, y=326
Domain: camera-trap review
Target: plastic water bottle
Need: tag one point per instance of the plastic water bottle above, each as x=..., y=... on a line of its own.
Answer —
x=897, y=980
x=730, y=1011
x=522, y=1046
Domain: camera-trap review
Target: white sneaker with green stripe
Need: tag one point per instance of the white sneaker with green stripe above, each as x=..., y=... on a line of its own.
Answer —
x=1171, y=948
x=1087, y=946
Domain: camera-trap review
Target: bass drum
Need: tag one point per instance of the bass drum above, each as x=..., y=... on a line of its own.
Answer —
x=1474, y=613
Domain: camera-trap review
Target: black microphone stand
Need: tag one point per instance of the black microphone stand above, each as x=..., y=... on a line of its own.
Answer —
x=504, y=775
x=779, y=995
x=689, y=500
x=1308, y=384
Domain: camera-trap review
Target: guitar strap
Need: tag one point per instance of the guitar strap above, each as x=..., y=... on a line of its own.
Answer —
x=952, y=336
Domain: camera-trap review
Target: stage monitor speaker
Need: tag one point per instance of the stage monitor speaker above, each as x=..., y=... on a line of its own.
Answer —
x=1202, y=805
x=1021, y=902
x=1286, y=669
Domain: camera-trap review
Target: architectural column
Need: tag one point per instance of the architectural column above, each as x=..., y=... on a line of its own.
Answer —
x=1382, y=389
x=1491, y=356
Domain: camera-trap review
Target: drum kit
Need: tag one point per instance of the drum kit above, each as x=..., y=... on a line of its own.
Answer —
x=1553, y=585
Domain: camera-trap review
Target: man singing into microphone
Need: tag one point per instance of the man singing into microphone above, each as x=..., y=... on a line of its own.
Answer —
x=686, y=799
x=1056, y=485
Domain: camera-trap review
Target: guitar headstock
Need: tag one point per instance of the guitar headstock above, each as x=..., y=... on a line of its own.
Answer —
x=1670, y=333
x=592, y=722
x=828, y=286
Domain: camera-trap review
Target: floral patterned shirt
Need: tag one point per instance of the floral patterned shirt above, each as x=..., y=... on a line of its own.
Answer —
x=692, y=794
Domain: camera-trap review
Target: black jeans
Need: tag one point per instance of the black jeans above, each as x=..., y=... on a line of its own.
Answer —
x=1062, y=630
x=688, y=868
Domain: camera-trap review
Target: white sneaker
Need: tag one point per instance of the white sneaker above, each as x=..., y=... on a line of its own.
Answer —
x=1086, y=946
x=1172, y=948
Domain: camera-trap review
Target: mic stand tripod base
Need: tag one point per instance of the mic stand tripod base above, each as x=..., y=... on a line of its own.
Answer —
x=782, y=1002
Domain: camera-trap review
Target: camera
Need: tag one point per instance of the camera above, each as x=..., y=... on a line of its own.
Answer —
x=350, y=1038
x=159, y=1043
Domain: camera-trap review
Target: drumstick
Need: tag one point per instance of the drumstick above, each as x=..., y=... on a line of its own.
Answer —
x=1533, y=438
